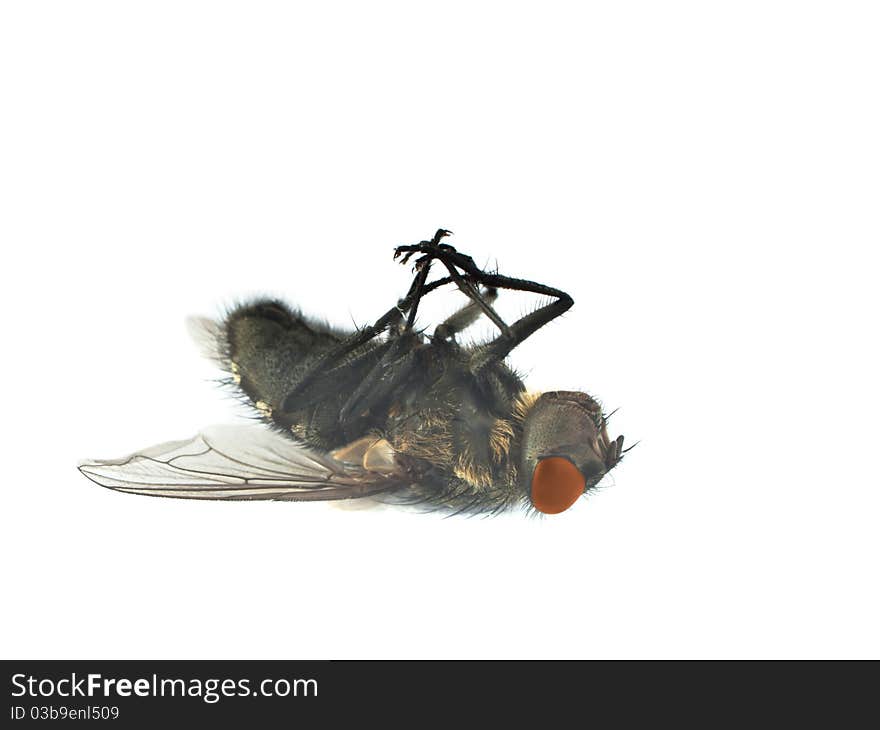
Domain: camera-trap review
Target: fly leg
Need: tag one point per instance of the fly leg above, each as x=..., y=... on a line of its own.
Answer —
x=430, y=250
x=511, y=335
x=394, y=369
x=324, y=366
x=407, y=307
x=464, y=317
x=444, y=253
x=398, y=361
x=499, y=348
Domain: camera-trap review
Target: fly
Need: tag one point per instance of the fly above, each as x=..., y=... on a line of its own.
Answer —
x=385, y=412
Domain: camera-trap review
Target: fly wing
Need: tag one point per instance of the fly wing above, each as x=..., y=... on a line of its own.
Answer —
x=238, y=462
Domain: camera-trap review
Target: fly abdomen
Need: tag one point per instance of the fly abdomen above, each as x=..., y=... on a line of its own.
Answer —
x=268, y=348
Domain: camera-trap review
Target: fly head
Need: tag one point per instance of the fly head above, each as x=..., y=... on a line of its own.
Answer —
x=566, y=450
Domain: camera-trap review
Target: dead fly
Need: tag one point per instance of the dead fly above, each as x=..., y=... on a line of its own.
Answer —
x=385, y=412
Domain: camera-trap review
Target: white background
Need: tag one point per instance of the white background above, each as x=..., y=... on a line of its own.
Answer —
x=701, y=177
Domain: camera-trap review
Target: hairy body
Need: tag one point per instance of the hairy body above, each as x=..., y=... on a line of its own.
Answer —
x=385, y=410
x=457, y=432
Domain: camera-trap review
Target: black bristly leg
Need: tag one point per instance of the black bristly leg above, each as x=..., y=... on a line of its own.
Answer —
x=511, y=336
x=474, y=295
x=397, y=360
x=499, y=348
x=433, y=249
x=406, y=307
x=428, y=248
x=396, y=364
x=323, y=367
x=417, y=291
x=464, y=317
x=392, y=370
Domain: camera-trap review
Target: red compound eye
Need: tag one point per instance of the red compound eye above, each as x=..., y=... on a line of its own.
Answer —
x=556, y=485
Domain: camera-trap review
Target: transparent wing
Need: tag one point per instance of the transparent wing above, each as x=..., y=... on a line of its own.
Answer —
x=238, y=462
